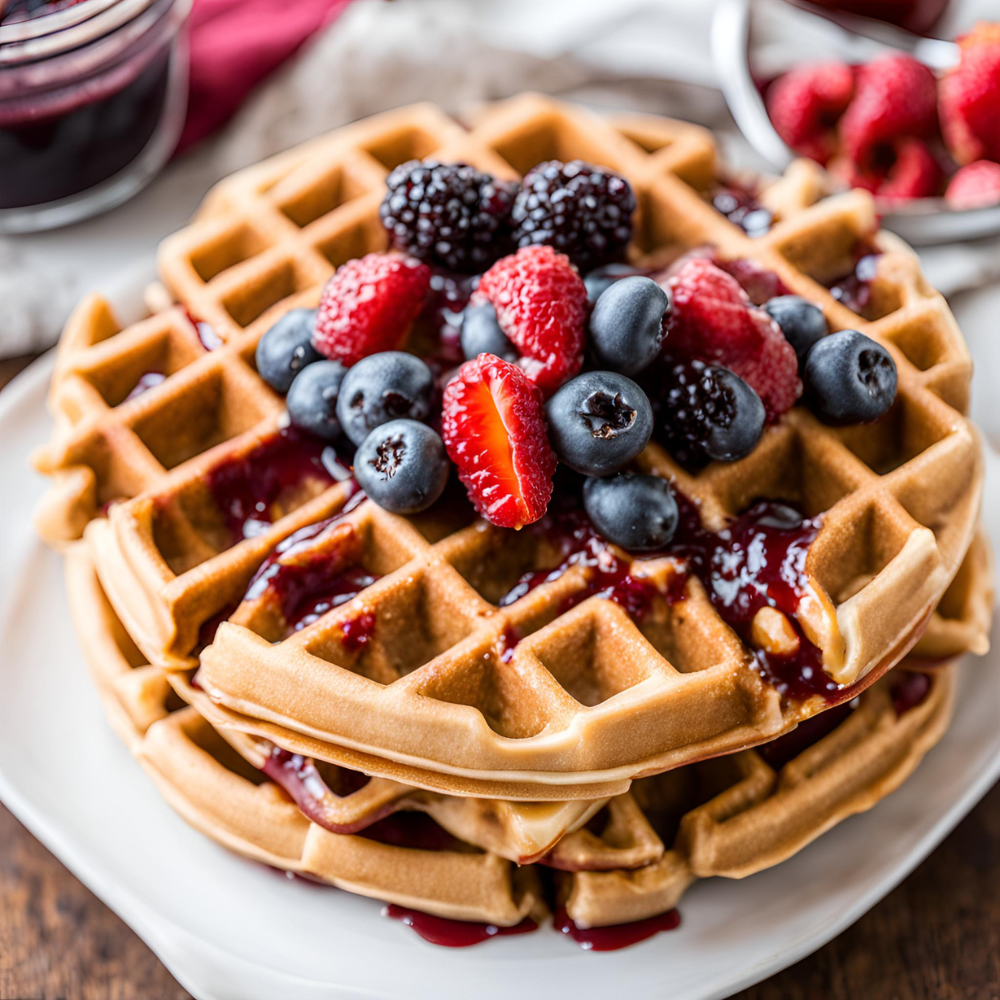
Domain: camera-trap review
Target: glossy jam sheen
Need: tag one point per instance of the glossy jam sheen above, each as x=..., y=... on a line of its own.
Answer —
x=742, y=208
x=147, y=381
x=246, y=488
x=909, y=690
x=616, y=936
x=207, y=336
x=454, y=933
x=779, y=752
x=854, y=290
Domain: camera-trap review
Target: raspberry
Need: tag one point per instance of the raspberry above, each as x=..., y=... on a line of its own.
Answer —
x=915, y=174
x=582, y=210
x=709, y=413
x=975, y=185
x=493, y=426
x=894, y=96
x=541, y=306
x=713, y=320
x=449, y=214
x=369, y=305
x=805, y=103
x=970, y=97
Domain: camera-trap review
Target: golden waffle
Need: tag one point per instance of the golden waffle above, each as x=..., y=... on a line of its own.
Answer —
x=588, y=698
x=731, y=816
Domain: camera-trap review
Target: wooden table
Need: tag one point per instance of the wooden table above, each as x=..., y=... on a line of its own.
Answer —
x=937, y=937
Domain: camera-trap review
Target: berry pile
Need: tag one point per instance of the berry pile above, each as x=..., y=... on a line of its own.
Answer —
x=891, y=127
x=463, y=220
x=558, y=368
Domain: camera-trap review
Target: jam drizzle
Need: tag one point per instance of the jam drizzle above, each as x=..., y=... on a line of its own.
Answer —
x=454, y=933
x=205, y=332
x=248, y=490
x=741, y=207
x=854, y=289
x=615, y=936
x=909, y=691
x=147, y=381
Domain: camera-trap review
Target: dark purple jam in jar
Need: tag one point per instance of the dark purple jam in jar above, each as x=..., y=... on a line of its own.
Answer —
x=92, y=99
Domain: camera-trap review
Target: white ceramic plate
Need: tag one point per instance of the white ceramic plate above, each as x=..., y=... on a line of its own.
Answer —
x=230, y=929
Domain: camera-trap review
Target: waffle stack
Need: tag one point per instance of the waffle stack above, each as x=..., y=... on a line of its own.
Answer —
x=427, y=742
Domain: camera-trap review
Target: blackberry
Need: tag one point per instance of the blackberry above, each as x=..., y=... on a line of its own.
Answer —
x=707, y=412
x=583, y=211
x=448, y=214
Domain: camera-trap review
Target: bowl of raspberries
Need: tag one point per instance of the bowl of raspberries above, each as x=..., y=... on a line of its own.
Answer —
x=925, y=141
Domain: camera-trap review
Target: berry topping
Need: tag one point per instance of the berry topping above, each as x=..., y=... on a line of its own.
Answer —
x=582, y=210
x=849, y=379
x=312, y=399
x=975, y=185
x=369, y=305
x=634, y=511
x=287, y=348
x=805, y=103
x=970, y=97
x=599, y=422
x=800, y=321
x=481, y=334
x=402, y=466
x=448, y=213
x=914, y=174
x=384, y=387
x=541, y=305
x=493, y=425
x=626, y=326
x=602, y=278
x=709, y=413
x=743, y=209
x=894, y=96
x=713, y=320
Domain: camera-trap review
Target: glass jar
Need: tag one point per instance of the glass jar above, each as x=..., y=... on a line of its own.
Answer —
x=92, y=101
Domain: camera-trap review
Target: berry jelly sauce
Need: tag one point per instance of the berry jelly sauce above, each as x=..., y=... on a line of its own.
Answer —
x=909, y=690
x=785, y=748
x=207, y=336
x=854, y=289
x=147, y=381
x=248, y=490
x=313, y=570
x=615, y=936
x=454, y=933
x=741, y=207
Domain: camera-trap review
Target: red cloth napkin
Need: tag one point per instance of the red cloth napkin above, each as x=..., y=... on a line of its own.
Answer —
x=235, y=44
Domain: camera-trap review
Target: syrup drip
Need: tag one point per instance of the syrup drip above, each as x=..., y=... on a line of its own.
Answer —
x=616, y=936
x=147, y=381
x=909, y=691
x=357, y=632
x=454, y=933
x=248, y=489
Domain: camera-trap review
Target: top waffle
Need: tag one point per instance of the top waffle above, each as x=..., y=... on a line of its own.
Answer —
x=435, y=683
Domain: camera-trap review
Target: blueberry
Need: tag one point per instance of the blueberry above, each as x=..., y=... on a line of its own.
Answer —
x=599, y=422
x=402, y=466
x=481, y=334
x=849, y=379
x=800, y=321
x=634, y=511
x=626, y=326
x=603, y=278
x=709, y=412
x=287, y=348
x=312, y=399
x=384, y=387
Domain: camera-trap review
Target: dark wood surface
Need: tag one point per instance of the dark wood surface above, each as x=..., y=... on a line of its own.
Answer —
x=936, y=937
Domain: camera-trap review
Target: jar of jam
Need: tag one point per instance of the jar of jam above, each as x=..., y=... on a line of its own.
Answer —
x=92, y=100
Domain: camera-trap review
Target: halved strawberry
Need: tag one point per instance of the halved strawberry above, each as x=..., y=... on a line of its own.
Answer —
x=493, y=425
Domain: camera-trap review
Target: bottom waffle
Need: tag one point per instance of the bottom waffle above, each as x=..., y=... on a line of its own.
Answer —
x=615, y=860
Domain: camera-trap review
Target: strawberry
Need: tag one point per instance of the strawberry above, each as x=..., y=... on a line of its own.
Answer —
x=541, y=305
x=975, y=185
x=369, y=305
x=493, y=426
x=970, y=97
x=894, y=96
x=714, y=320
x=805, y=103
x=915, y=174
